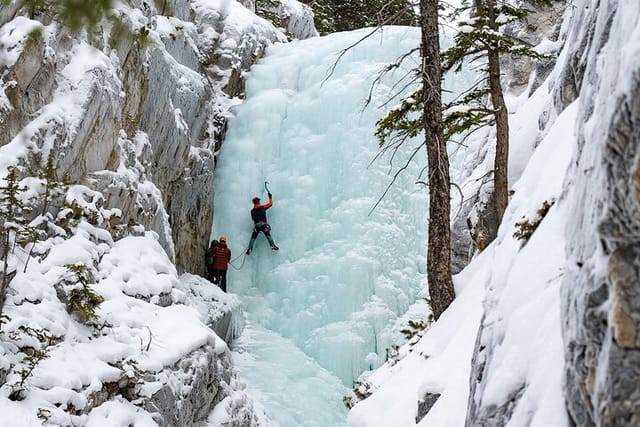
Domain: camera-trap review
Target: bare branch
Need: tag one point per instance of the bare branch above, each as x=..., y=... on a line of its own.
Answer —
x=395, y=177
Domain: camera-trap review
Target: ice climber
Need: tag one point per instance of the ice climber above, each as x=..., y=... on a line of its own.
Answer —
x=259, y=217
x=221, y=263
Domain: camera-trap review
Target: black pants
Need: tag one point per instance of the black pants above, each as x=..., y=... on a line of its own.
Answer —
x=220, y=279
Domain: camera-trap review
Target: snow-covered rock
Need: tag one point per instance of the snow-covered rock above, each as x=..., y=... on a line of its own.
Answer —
x=298, y=18
x=151, y=350
x=600, y=303
x=134, y=112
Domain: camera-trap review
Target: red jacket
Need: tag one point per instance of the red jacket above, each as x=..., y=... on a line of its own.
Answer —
x=222, y=257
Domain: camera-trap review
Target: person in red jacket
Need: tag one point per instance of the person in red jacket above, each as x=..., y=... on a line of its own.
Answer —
x=221, y=263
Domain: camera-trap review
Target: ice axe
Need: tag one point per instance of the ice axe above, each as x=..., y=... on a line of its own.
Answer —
x=266, y=187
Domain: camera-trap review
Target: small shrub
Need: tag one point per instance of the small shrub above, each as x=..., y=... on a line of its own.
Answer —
x=526, y=228
x=266, y=9
x=82, y=300
x=415, y=328
x=361, y=390
x=141, y=38
x=33, y=38
x=131, y=124
x=13, y=224
x=32, y=356
x=29, y=363
x=131, y=378
x=51, y=195
x=43, y=414
x=393, y=354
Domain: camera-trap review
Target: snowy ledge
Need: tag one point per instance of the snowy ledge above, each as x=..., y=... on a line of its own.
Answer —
x=151, y=351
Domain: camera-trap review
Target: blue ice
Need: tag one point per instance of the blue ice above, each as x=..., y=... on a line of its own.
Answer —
x=329, y=304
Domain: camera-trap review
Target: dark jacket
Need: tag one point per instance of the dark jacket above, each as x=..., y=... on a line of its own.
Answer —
x=222, y=257
x=259, y=212
x=210, y=255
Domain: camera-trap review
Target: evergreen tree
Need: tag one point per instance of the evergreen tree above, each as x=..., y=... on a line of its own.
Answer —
x=15, y=226
x=479, y=40
x=52, y=189
x=76, y=14
x=345, y=15
x=13, y=223
x=439, y=241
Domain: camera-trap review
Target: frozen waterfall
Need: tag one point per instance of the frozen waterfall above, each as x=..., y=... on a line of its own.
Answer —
x=329, y=304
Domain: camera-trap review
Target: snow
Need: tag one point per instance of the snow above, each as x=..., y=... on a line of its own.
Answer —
x=14, y=36
x=119, y=412
x=516, y=288
x=131, y=276
x=233, y=12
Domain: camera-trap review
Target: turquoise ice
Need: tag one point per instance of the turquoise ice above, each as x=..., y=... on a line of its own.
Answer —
x=332, y=301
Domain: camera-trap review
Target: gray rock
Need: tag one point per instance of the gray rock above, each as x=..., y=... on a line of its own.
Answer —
x=475, y=226
x=542, y=23
x=601, y=306
x=602, y=309
x=8, y=12
x=3, y=376
x=425, y=404
x=479, y=412
x=191, y=388
x=462, y=245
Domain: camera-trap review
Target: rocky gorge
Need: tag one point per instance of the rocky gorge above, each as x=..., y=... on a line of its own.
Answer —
x=135, y=111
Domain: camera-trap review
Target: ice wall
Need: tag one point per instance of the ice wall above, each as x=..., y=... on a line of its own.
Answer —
x=331, y=302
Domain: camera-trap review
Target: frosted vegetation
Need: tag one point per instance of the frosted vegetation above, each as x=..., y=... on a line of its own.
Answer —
x=331, y=303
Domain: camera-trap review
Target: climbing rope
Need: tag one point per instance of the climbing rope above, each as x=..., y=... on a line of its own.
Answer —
x=244, y=257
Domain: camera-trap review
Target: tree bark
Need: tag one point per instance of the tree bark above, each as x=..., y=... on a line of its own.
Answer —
x=439, y=241
x=5, y=268
x=501, y=160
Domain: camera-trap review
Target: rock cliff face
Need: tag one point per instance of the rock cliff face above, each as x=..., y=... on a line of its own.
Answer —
x=601, y=294
x=599, y=69
x=146, y=116
x=134, y=111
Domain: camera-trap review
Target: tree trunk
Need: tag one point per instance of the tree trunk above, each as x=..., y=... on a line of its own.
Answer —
x=501, y=160
x=439, y=246
x=5, y=269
